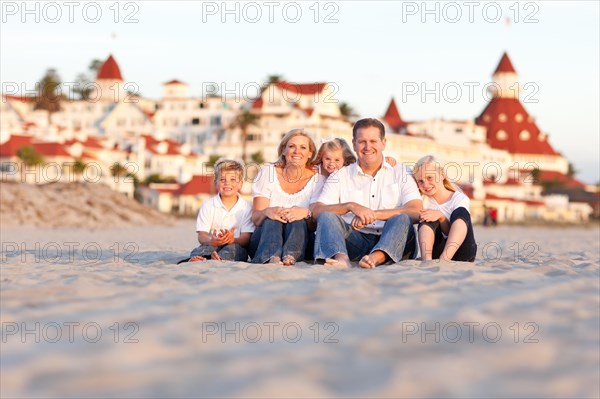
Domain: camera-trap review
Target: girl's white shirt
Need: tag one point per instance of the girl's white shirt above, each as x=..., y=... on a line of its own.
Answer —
x=457, y=200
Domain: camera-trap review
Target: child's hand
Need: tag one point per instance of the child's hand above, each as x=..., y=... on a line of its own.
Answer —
x=222, y=237
x=391, y=161
x=430, y=215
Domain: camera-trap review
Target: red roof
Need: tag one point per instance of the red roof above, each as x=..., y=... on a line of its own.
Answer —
x=51, y=149
x=109, y=70
x=198, y=185
x=302, y=88
x=392, y=117
x=152, y=143
x=505, y=65
x=258, y=103
x=174, y=82
x=23, y=99
x=551, y=176
x=90, y=142
x=48, y=149
x=509, y=115
x=10, y=147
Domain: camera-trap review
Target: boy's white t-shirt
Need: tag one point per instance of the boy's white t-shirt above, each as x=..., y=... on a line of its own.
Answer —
x=214, y=216
x=457, y=200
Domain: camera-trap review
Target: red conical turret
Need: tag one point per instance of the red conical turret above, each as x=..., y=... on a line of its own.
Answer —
x=109, y=70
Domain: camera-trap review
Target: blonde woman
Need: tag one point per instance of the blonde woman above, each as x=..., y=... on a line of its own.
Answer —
x=282, y=193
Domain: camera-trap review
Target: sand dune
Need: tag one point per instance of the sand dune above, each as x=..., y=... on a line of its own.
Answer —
x=72, y=205
x=520, y=322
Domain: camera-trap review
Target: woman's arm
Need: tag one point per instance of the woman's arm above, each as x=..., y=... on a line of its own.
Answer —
x=261, y=211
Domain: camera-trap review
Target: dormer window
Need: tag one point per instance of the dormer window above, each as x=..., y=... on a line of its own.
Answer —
x=518, y=118
x=524, y=135
x=501, y=135
x=502, y=117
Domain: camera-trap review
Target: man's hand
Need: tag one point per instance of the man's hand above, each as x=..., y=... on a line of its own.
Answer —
x=357, y=224
x=366, y=215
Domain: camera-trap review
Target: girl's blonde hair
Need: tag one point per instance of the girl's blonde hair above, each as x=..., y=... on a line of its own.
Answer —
x=336, y=144
x=431, y=163
x=289, y=135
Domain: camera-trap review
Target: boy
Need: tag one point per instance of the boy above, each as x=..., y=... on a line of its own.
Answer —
x=224, y=224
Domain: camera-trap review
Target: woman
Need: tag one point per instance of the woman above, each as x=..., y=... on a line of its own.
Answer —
x=282, y=193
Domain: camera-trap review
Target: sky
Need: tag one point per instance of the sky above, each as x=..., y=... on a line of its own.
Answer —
x=434, y=58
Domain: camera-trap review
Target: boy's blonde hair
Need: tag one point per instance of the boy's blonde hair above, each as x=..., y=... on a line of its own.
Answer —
x=429, y=162
x=336, y=144
x=227, y=165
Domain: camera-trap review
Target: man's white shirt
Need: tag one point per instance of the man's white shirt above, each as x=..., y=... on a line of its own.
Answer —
x=390, y=188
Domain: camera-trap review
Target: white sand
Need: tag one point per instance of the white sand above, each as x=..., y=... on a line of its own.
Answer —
x=373, y=313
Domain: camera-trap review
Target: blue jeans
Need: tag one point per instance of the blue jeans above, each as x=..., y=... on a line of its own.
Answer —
x=233, y=252
x=335, y=236
x=274, y=238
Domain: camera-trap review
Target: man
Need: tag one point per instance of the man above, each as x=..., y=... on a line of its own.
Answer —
x=366, y=210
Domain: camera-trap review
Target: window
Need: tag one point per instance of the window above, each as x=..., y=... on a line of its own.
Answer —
x=502, y=117
x=518, y=118
x=215, y=120
x=195, y=121
x=524, y=135
x=201, y=105
x=501, y=135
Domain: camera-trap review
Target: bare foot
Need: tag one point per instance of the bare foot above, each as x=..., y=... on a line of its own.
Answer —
x=372, y=260
x=215, y=256
x=338, y=260
x=288, y=260
x=276, y=260
x=196, y=259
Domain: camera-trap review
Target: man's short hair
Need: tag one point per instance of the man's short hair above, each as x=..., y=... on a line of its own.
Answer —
x=368, y=122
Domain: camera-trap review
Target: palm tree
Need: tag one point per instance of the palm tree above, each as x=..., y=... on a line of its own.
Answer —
x=572, y=171
x=79, y=167
x=274, y=78
x=346, y=110
x=243, y=121
x=117, y=169
x=48, y=97
x=29, y=156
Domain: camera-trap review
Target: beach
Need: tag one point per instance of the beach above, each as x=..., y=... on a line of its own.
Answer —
x=107, y=313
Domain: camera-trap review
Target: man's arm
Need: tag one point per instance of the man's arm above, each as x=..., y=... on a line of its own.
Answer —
x=364, y=214
x=411, y=208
